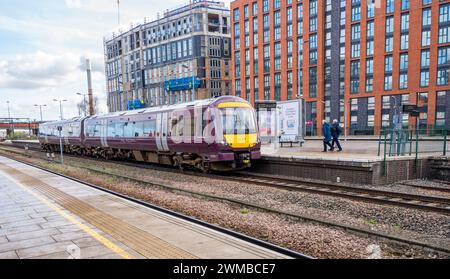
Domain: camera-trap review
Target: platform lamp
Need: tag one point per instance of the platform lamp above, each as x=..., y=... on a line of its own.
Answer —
x=60, y=107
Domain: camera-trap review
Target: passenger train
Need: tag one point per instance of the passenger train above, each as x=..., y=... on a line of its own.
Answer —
x=219, y=134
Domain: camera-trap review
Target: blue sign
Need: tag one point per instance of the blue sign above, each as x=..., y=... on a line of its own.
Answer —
x=135, y=104
x=182, y=84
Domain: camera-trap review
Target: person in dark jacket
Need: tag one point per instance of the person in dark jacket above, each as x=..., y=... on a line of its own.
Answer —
x=326, y=132
x=336, y=132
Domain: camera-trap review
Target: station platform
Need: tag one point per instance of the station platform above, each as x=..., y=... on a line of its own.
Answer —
x=358, y=163
x=355, y=150
x=43, y=215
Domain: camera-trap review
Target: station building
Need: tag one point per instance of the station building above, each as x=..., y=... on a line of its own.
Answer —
x=180, y=57
x=353, y=60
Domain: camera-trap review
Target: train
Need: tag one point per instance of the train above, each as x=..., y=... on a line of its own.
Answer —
x=219, y=134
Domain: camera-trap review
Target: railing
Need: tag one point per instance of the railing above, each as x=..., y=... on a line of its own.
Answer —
x=412, y=142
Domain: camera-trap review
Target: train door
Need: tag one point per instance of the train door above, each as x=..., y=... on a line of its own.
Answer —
x=165, y=135
x=162, y=131
x=104, y=132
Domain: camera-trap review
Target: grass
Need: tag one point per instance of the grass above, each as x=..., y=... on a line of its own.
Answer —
x=244, y=211
x=373, y=221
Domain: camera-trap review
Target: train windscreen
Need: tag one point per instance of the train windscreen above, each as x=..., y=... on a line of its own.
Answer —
x=237, y=121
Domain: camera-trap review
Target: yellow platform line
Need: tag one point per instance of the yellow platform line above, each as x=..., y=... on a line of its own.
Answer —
x=107, y=243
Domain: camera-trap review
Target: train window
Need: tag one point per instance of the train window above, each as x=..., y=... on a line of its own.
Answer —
x=177, y=126
x=119, y=130
x=111, y=130
x=138, y=129
x=238, y=121
x=98, y=130
x=149, y=128
x=128, y=130
x=90, y=130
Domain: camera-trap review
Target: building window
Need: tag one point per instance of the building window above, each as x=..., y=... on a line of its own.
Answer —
x=370, y=49
x=356, y=13
x=403, y=81
x=405, y=22
x=389, y=44
x=370, y=9
x=388, y=61
x=236, y=14
x=265, y=6
x=404, y=62
x=387, y=82
x=404, y=42
x=425, y=60
x=426, y=37
x=390, y=6
x=424, y=78
x=426, y=17
x=405, y=5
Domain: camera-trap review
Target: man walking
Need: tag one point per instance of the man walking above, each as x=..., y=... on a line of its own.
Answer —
x=326, y=132
x=336, y=132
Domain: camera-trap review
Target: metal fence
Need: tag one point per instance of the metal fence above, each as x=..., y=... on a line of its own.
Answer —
x=413, y=142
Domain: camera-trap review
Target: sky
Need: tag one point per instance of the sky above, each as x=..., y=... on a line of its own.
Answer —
x=44, y=45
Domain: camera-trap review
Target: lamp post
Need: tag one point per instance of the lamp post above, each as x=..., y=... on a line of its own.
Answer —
x=40, y=110
x=345, y=117
x=84, y=103
x=9, y=112
x=193, y=81
x=60, y=107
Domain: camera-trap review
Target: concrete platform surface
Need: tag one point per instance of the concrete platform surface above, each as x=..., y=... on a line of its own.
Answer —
x=45, y=216
x=353, y=151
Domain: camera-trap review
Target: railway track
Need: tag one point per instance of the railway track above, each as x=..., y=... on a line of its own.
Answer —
x=426, y=187
x=429, y=203
x=353, y=229
x=258, y=242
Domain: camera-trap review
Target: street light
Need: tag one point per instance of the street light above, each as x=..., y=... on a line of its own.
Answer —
x=9, y=112
x=345, y=117
x=40, y=110
x=84, y=103
x=60, y=107
x=193, y=81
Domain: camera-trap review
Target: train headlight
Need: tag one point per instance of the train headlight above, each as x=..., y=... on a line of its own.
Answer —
x=224, y=142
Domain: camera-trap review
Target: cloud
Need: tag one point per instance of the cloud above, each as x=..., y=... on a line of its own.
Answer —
x=43, y=70
x=73, y=4
x=97, y=62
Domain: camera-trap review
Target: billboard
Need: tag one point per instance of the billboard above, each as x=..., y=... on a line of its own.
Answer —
x=291, y=118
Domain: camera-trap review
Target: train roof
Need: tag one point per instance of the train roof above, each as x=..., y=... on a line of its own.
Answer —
x=203, y=103
x=62, y=122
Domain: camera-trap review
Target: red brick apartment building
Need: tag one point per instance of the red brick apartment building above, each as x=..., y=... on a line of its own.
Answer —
x=353, y=60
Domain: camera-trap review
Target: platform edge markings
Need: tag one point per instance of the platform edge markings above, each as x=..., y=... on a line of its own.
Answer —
x=100, y=220
x=123, y=232
x=218, y=236
x=107, y=243
x=137, y=204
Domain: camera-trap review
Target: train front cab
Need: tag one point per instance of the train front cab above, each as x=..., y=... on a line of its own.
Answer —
x=238, y=133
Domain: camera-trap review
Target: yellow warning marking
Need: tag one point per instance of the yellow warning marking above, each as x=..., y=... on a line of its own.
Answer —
x=107, y=243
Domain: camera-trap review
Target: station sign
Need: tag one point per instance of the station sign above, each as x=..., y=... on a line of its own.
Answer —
x=412, y=110
x=409, y=108
x=265, y=105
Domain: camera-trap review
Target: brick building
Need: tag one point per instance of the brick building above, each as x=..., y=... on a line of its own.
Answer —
x=353, y=60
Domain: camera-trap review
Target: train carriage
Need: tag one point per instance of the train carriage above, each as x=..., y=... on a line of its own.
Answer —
x=218, y=134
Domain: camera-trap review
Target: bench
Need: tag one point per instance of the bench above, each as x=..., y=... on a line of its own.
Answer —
x=291, y=139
